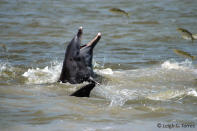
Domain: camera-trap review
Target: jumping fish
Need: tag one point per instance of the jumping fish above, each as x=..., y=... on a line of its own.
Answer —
x=185, y=34
x=3, y=47
x=119, y=11
x=194, y=36
x=183, y=53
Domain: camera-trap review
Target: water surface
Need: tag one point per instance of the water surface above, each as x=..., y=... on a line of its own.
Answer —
x=146, y=83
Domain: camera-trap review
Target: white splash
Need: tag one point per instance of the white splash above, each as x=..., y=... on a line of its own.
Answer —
x=5, y=68
x=116, y=96
x=176, y=65
x=166, y=95
x=45, y=75
x=107, y=71
x=170, y=94
x=95, y=64
x=192, y=92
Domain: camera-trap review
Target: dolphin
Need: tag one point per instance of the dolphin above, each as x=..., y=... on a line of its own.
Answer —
x=77, y=65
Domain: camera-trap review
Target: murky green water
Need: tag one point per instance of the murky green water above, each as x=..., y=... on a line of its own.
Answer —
x=146, y=83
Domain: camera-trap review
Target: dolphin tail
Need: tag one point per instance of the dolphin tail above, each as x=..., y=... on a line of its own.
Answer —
x=84, y=91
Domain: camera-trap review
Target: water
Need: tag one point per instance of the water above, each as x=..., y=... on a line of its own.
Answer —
x=146, y=83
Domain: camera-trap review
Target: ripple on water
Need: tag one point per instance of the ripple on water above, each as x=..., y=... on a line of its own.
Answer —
x=141, y=85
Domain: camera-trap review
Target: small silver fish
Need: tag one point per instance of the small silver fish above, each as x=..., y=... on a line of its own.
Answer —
x=183, y=53
x=119, y=11
x=185, y=34
x=3, y=47
x=194, y=36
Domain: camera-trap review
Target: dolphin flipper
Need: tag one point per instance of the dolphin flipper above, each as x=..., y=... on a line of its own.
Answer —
x=84, y=91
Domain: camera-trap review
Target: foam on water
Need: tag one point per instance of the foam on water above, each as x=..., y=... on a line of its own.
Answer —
x=170, y=94
x=192, y=92
x=52, y=73
x=3, y=67
x=185, y=65
x=115, y=95
x=146, y=86
x=45, y=75
x=130, y=84
x=6, y=69
x=166, y=95
x=118, y=97
x=107, y=71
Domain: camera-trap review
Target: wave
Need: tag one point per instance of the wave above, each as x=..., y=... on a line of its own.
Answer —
x=6, y=70
x=43, y=75
x=171, y=64
x=168, y=81
x=115, y=95
x=171, y=94
x=171, y=80
x=50, y=74
x=107, y=71
x=118, y=97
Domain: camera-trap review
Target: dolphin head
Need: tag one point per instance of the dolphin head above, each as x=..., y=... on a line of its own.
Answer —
x=77, y=66
x=86, y=51
x=73, y=48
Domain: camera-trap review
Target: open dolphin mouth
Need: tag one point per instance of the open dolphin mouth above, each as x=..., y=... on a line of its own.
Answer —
x=92, y=43
x=95, y=40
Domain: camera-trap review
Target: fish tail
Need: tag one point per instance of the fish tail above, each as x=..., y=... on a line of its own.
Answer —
x=192, y=39
x=128, y=15
x=193, y=57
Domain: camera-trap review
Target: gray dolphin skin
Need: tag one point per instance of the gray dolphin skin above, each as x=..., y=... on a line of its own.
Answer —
x=84, y=91
x=77, y=65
